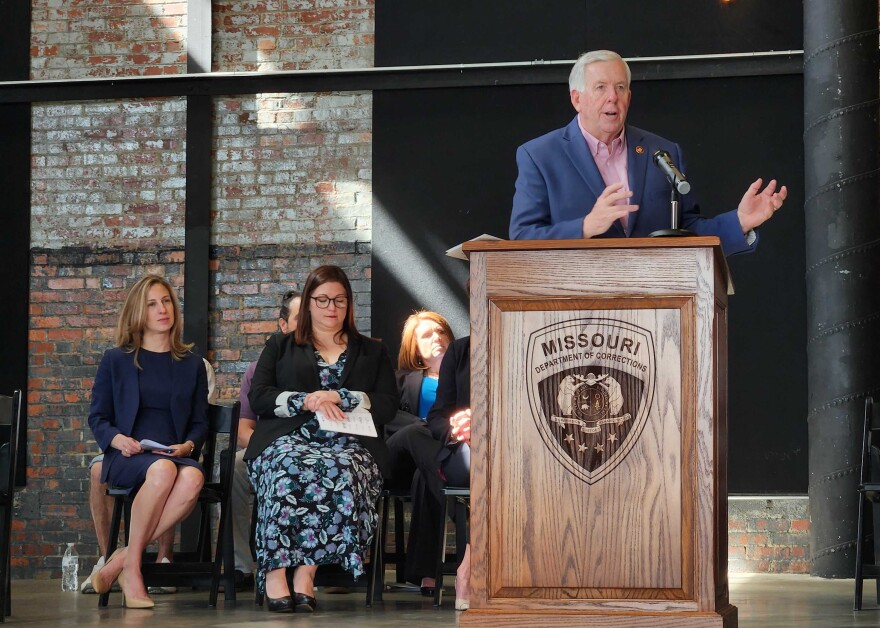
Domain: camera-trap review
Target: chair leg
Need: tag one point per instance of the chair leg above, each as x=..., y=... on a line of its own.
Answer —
x=222, y=555
x=376, y=575
x=441, y=557
x=857, y=600
x=399, y=545
x=461, y=528
x=872, y=526
x=258, y=597
x=112, y=541
x=7, y=611
x=229, y=592
x=6, y=589
x=6, y=561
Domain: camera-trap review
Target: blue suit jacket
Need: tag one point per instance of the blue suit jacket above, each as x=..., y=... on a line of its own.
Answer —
x=558, y=184
x=116, y=401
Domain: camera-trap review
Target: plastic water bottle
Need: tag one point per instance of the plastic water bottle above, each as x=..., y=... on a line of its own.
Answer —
x=70, y=569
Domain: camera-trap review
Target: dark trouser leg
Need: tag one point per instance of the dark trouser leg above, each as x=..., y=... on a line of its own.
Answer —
x=414, y=448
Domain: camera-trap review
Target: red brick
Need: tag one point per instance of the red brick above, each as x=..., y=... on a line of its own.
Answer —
x=267, y=327
x=800, y=525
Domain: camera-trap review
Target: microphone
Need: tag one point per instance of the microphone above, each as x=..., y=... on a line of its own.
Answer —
x=664, y=161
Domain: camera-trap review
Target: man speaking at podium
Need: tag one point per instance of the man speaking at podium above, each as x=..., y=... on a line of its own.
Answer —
x=597, y=177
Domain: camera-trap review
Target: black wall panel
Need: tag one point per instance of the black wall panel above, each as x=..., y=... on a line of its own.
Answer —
x=444, y=170
x=15, y=181
x=417, y=32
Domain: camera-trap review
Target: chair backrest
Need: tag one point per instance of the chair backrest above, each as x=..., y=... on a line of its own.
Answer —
x=221, y=420
x=870, y=441
x=10, y=415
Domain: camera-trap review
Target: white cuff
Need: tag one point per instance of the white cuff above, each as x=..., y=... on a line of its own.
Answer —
x=751, y=236
x=363, y=400
x=281, y=407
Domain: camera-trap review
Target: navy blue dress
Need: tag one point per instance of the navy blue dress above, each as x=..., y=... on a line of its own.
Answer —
x=153, y=420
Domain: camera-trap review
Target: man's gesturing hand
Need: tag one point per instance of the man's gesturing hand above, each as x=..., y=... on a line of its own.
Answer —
x=605, y=212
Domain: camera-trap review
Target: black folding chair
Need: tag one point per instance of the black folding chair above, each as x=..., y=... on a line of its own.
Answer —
x=458, y=500
x=11, y=409
x=869, y=496
x=199, y=569
x=378, y=557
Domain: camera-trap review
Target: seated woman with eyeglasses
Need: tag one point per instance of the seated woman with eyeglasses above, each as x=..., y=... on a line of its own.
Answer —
x=316, y=489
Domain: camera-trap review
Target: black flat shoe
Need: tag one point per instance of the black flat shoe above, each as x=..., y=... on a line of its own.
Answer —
x=427, y=591
x=280, y=605
x=304, y=603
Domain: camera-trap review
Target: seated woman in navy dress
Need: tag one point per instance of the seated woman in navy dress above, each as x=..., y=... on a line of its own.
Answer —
x=151, y=386
x=316, y=489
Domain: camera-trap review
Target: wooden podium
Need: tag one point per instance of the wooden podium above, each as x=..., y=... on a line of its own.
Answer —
x=599, y=442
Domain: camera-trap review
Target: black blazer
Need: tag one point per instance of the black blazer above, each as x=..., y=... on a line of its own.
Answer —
x=409, y=383
x=286, y=366
x=453, y=389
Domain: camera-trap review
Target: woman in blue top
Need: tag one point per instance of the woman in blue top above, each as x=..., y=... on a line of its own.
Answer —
x=426, y=336
x=151, y=386
x=423, y=345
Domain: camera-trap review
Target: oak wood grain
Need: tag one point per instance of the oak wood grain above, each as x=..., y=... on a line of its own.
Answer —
x=551, y=533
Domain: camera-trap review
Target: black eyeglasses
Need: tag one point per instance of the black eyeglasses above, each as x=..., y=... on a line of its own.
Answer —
x=323, y=301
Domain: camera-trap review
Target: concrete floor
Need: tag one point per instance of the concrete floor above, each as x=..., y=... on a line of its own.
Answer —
x=763, y=600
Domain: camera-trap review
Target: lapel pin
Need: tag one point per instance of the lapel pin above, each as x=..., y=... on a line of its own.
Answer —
x=640, y=150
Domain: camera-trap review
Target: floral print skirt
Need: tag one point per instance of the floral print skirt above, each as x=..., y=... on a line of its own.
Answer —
x=316, y=501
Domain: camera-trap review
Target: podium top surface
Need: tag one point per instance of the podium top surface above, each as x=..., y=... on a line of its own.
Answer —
x=592, y=243
x=487, y=246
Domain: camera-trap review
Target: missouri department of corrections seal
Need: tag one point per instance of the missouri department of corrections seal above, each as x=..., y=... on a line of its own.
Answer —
x=590, y=388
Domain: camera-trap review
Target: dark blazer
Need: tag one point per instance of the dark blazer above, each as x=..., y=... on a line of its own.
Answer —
x=409, y=383
x=453, y=389
x=559, y=182
x=286, y=366
x=116, y=401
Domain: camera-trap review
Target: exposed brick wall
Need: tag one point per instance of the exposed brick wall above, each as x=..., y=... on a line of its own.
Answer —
x=293, y=168
x=265, y=35
x=108, y=173
x=769, y=535
x=96, y=38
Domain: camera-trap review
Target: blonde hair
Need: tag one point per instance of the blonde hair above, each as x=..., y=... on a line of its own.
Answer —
x=409, y=357
x=133, y=319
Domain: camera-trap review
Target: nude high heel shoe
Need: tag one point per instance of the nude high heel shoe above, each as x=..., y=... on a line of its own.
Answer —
x=134, y=602
x=100, y=584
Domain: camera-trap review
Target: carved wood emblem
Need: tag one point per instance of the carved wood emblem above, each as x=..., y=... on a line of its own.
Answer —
x=591, y=383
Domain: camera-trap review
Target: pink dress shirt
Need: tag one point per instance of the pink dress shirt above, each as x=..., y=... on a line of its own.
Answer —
x=611, y=161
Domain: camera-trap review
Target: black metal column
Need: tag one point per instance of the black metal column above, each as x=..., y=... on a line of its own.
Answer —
x=199, y=111
x=199, y=130
x=15, y=236
x=841, y=63
x=196, y=273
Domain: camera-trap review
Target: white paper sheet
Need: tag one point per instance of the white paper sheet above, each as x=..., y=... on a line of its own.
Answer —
x=457, y=252
x=358, y=421
x=151, y=445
